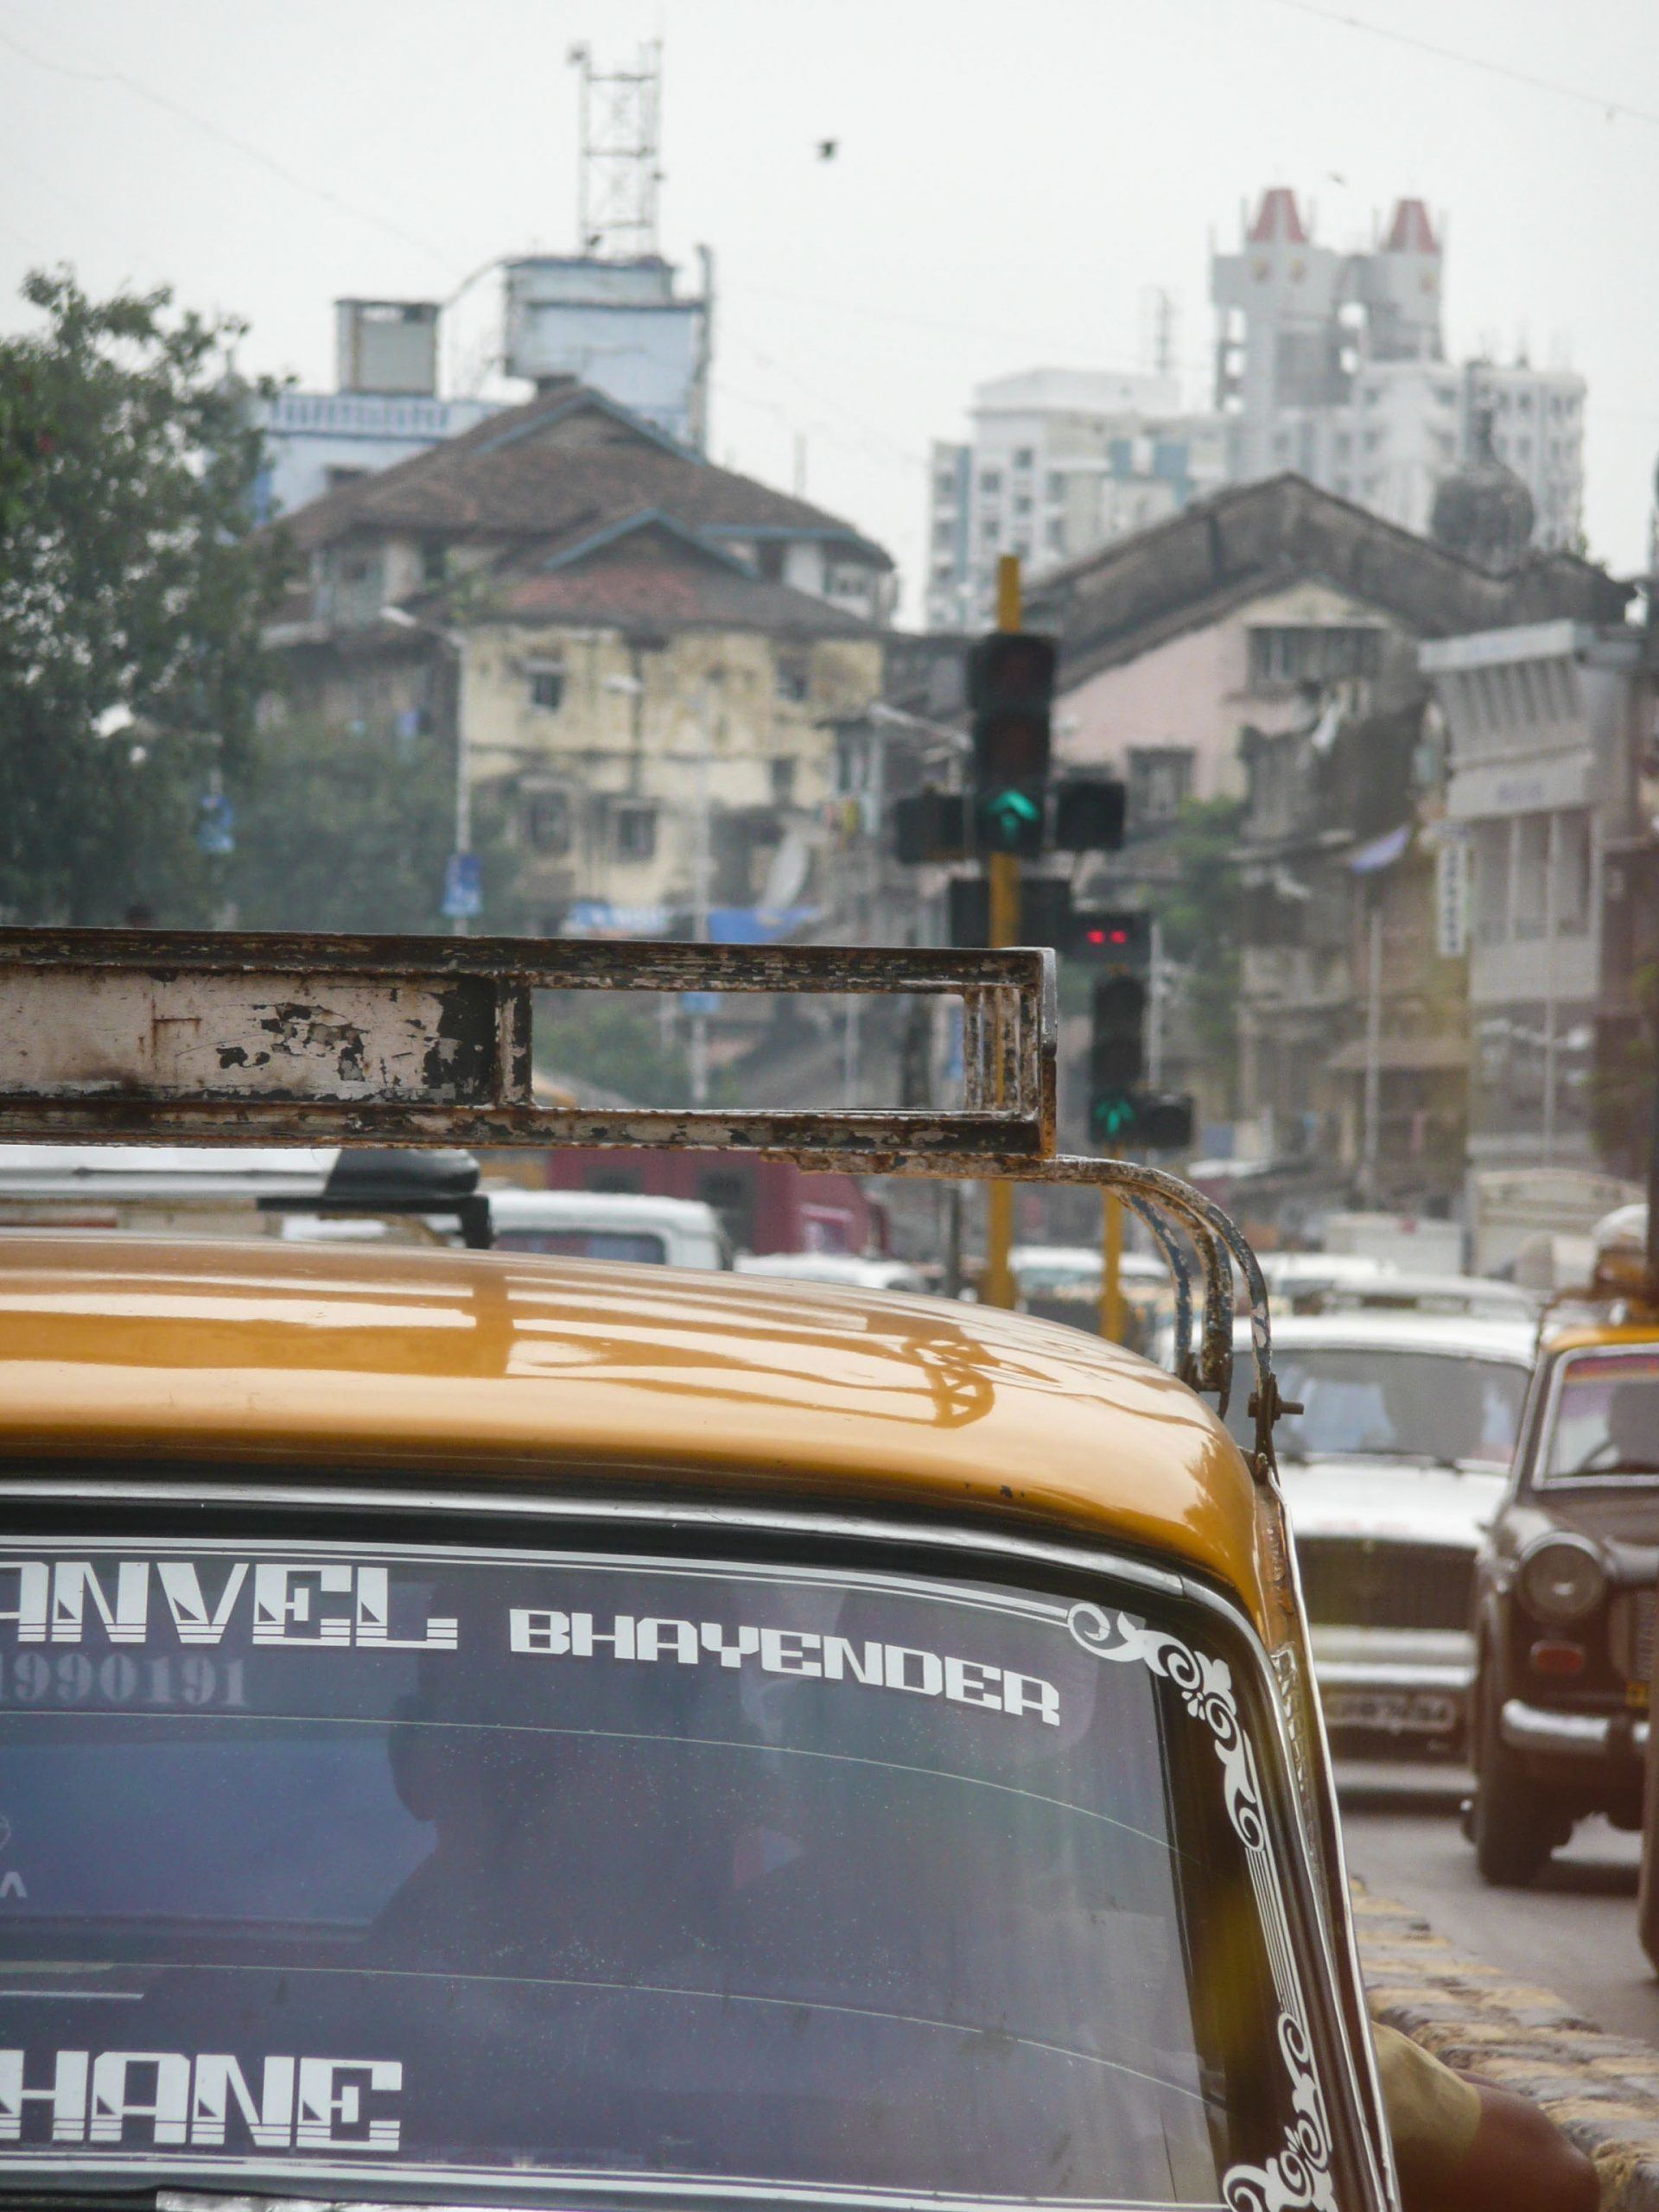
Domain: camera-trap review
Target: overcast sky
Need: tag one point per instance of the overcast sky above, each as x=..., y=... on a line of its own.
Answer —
x=1010, y=181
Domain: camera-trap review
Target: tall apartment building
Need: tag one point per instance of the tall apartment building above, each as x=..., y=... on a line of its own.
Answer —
x=1334, y=364
x=1059, y=461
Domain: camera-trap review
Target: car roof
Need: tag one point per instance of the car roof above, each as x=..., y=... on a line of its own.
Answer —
x=1365, y=1328
x=510, y=1201
x=422, y=1360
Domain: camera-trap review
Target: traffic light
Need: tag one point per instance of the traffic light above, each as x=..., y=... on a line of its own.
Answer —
x=932, y=825
x=1011, y=691
x=1044, y=912
x=1117, y=1055
x=1163, y=1121
x=1088, y=816
x=1114, y=936
x=1122, y=1117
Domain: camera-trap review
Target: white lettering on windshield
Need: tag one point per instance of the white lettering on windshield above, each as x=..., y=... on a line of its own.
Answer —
x=334, y=1603
x=544, y=1633
x=130, y=2098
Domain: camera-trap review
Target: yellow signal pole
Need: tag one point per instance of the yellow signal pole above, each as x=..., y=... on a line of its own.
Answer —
x=1003, y=873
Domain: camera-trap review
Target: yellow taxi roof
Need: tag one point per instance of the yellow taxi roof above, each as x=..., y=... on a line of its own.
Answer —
x=418, y=1359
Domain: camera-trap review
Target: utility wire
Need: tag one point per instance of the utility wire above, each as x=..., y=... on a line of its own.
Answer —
x=291, y=177
x=1610, y=108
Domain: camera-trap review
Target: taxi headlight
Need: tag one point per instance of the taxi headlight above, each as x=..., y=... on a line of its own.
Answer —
x=1562, y=1579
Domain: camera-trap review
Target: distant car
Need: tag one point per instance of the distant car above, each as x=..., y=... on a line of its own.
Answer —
x=606, y=1226
x=1040, y=1270
x=302, y=1193
x=1391, y=1470
x=1294, y=1277
x=1565, y=1599
x=1475, y=1295
x=852, y=1270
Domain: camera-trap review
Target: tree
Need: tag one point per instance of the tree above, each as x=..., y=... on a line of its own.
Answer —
x=133, y=589
x=342, y=826
x=1197, y=906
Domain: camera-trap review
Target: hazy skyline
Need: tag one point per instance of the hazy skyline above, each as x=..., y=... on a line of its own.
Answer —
x=1008, y=185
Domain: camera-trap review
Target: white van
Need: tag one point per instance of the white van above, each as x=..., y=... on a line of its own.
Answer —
x=606, y=1226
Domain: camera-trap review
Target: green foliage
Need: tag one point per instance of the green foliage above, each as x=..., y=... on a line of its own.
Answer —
x=132, y=589
x=342, y=828
x=595, y=1040
x=1196, y=907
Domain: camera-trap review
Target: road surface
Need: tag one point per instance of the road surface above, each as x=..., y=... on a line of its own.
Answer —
x=1575, y=1931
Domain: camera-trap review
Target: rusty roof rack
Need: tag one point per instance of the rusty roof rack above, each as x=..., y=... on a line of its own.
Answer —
x=172, y=1036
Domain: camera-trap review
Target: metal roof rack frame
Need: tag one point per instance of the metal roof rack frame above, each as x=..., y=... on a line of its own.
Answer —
x=178, y=1036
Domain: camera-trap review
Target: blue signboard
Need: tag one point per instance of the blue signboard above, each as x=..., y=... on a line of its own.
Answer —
x=463, y=887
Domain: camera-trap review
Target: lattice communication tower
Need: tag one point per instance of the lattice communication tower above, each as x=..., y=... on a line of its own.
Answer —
x=618, y=176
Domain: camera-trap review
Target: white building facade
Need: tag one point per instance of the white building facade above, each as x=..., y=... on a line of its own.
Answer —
x=387, y=408
x=1060, y=462
x=1332, y=364
x=1541, y=785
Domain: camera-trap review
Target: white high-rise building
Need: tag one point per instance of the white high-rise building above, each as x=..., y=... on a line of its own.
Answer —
x=1059, y=461
x=1334, y=364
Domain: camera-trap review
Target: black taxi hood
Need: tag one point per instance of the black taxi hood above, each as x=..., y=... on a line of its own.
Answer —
x=1621, y=1512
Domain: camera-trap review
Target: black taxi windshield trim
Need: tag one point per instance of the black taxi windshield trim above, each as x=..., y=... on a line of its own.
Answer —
x=1641, y=1419
x=850, y=1776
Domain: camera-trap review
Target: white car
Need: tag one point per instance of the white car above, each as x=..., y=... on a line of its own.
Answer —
x=606, y=1226
x=1392, y=1470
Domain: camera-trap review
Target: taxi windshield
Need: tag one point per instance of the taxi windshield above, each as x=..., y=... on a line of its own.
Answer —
x=1379, y=1401
x=1606, y=1417
x=570, y=1878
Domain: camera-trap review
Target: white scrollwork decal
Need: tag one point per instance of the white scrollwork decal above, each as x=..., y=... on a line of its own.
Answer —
x=1206, y=1689
x=1298, y=2174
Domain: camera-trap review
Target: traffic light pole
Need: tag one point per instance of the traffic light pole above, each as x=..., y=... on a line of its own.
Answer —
x=1003, y=870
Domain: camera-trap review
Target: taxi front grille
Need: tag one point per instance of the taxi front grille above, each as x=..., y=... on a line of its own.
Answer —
x=1352, y=1582
x=1630, y=1631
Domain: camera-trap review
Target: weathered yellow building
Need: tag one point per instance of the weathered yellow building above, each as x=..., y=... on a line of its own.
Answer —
x=645, y=663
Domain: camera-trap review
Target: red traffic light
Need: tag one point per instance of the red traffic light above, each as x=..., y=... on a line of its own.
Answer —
x=1110, y=937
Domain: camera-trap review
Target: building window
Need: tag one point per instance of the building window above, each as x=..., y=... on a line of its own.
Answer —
x=435, y=563
x=991, y=482
x=338, y=479
x=547, y=821
x=1491, y=862
x=1313, y=653
x=1161, y=781
x=547, y=685
x=1057, y=537
x=1055, y=484
x=1531, y=875
x=634, y=831
x=1572, y=873
x=1023, y=457
x=944, y=486
x=783, y=780
x=792, y=673
x=1022, y=505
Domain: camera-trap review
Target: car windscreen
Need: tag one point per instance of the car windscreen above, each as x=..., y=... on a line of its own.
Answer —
x=1606, y=1416
x=578, y=1878
x=1392, y=1403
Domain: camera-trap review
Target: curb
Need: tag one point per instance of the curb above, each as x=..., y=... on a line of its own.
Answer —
x=1602, y=2090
